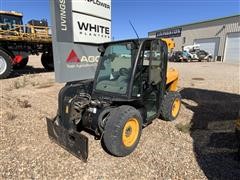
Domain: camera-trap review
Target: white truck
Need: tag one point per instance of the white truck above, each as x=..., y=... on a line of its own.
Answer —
x=194, y=52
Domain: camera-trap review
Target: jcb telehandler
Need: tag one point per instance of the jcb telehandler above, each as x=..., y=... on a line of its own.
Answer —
x=131, y=88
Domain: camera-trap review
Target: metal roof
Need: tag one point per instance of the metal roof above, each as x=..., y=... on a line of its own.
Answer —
x=11, y=13
x=189, y=24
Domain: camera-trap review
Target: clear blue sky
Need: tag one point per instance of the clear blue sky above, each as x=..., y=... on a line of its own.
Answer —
x=146, y=15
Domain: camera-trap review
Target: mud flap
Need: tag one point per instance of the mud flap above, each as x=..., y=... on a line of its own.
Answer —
x=72, y=141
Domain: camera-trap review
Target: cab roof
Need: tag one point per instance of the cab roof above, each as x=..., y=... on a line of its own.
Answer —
x=14, y=13
x=127, y=40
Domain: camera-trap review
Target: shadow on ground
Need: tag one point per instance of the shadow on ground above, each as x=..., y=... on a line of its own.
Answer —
x=213, y=131
x=27, y=70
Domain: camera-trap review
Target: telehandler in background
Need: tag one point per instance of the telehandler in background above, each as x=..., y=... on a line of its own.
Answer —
x=131, y=88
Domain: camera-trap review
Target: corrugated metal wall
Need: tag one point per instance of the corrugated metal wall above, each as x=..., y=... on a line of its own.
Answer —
x=210, y=29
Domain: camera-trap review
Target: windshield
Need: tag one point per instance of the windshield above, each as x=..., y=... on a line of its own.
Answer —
x=115, y=68
x=8, y=22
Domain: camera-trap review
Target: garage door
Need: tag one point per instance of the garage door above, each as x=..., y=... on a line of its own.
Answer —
x=232, y=52
x=210, y=45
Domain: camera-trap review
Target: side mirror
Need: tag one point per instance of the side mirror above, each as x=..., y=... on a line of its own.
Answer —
x=101, y=49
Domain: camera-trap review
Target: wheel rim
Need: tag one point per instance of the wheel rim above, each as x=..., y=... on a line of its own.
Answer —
x=130, y=132
x=176, y=107
x=3, y=65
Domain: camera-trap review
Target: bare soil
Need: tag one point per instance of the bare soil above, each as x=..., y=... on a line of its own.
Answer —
x=200, y=144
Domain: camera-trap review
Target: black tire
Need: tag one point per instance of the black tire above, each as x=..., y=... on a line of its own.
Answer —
x=22, y=64
x=238, y=154
x=167, y=111
x=6, y=66
x=112, y=139
x=47, y=61
x=238, y=140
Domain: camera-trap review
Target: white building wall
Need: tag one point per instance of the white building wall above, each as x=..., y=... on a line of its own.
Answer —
x=218, y=28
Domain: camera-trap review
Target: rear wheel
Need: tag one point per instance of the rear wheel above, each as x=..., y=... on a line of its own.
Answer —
x=238, y=140
x=22, y=64
x=5, y=65
x=170, y=106
x=122, y=131
x=47, y=61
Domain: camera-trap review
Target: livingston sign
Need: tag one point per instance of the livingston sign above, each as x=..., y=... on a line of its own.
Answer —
x=78, y=27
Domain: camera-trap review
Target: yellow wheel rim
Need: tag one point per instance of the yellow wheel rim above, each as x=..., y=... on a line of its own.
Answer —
x=130, y=132
x=176, y=107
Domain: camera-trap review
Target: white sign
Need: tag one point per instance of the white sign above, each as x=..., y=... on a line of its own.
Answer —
x=78, y=26
x=99, y=8
x=90, y=29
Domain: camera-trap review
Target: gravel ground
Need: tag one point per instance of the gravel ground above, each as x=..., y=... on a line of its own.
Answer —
x=200, y=144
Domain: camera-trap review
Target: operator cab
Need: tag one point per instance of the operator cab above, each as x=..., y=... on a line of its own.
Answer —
x=133, y=71
x=9, y=20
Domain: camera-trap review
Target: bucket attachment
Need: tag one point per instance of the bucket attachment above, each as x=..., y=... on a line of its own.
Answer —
x=72, y=141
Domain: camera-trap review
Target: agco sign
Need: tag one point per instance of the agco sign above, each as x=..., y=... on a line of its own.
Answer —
x=74, y=61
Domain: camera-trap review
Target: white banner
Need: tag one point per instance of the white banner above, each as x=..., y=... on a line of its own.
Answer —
x=99, y=8
x=90, y=29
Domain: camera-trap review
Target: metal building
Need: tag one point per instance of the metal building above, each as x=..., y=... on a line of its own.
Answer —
x=220, y=37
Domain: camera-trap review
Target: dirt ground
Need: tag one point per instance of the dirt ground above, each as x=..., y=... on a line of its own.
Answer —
x=200, y=144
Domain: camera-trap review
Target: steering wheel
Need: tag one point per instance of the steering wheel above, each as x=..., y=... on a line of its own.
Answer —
x=123, y=72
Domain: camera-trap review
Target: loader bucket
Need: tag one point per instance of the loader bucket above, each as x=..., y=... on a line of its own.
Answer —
x=72, y=141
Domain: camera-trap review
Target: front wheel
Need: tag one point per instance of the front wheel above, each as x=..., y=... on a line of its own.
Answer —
x=122, y=131
x=5, y=65
x=170, y=106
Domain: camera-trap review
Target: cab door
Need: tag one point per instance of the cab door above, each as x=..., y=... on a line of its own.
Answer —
x=150, y=77
x=149, y=66
x=151, y=98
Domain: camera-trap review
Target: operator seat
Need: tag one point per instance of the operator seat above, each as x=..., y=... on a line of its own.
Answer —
x=118, y=85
